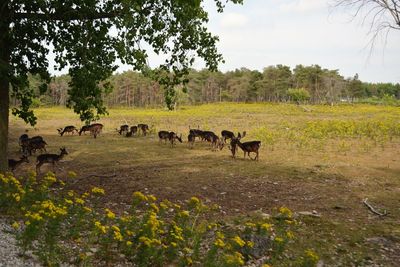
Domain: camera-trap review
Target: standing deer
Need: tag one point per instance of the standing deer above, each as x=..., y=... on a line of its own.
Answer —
x=191, y=139
x=163, y=135
x=247, y=147
x=84, y=129
x=50, y=158
x=35, y=144
x=173, y=136
x=67, y=129
x=196, y=132
x=13, y=164
x=123, y=129
x=23, y=139
x=229, y=135
x=144, y=128
x=132, y=131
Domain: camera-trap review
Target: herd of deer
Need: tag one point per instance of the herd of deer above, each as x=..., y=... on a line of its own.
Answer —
x=31, y=145
x=216, y=141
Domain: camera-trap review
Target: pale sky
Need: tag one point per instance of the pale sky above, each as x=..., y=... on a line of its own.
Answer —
x=261, y=33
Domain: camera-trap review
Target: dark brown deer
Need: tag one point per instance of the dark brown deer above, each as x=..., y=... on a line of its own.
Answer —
x=84, y=129
x=68, y=129
x=13, y=164
x=23, y=139
x=50, y=158
x=25, y=143
x=229, y=135
x=123, y=129
x=132, y=131
x=144, y=128
x=35, y=144
x=247, y=147
x=196, y=132
x=163, y=135
x=173, y=136
x=191, y=139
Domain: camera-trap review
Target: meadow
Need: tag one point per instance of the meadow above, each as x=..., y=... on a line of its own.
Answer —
x=319, y=161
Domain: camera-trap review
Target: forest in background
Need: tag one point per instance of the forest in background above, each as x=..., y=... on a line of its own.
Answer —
x=306, y=84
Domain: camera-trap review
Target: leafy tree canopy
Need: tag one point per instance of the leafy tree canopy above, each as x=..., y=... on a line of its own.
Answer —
x=87, y=36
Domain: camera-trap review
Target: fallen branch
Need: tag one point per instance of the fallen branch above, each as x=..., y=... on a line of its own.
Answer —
x=373, y=209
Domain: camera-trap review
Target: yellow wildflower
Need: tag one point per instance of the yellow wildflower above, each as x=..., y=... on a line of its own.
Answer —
x=15, y=225
x=311, y=255
x=87, y=209
x=79, y=201
x=118, y=236
x=290, y=234
x=219, y=243
x=173, y=244
x=68, y=201
x=235, y=259
x=71, y=174
x=279, y=239
x=250, y=244
x=151, y=198
x=139, y=196
x=17, y=197
x=154, y=207
x=98, y=191
x=285, y=211
x=239, y=241
x=266, y=226
x=128, y=243
x=129, y=233
x=110, y=214
x=184, y=213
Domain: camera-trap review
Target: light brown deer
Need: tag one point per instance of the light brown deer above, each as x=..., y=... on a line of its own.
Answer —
x=50, y=158
x=163, y=135
x=68, y=129
x=247, y=147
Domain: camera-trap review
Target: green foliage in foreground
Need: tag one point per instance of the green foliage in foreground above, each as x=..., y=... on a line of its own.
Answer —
x=64, y=226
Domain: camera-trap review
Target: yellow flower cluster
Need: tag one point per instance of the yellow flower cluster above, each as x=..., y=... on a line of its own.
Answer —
x=234, y=259
x=117, y=233
x=240, y=242
x=139, y=196
x=312, y=256
x=102, y=228
x=110, y=214
x=98, y=191
x=286, y=212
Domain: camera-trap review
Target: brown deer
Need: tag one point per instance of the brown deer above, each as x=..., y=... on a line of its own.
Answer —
x=247, y=147
x=196, y=132
x=173, y=136
x=26, y=146
x=23, y=139
x=191, y=139
x=123, y=129
x=95, y=129
x=144, y=128
x=50, y=158
x=163, y=135
x=13, y=164
x=132, y=131
x=84, y=129
x=229, y=135
x=67, y=129
x=35, y=144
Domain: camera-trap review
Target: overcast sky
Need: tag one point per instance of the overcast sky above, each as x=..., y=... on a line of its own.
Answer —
x=260, y=33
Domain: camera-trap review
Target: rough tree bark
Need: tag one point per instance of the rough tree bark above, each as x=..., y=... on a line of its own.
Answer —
x=4, y=86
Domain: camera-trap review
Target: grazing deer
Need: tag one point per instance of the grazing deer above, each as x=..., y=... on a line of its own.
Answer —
x=144, y=128
x=35, y=144
x=247, y=147
x=123, y=129
x=84, y=129
x=173, y=136
x=191, y=139
x=163, y=135
x=50, y=158
x=196, y=132
x=229, y=135
x=67, y=129
x=215, y=141
x=132, y=131
x=13, y=164
x=207, y=136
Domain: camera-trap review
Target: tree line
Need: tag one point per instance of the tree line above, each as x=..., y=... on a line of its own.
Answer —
x=279, y=83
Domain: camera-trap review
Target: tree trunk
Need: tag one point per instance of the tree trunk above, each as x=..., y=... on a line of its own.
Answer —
x=4, y=85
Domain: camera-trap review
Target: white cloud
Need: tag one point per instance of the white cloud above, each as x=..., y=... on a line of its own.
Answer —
x=303, y=5
x=231, y=20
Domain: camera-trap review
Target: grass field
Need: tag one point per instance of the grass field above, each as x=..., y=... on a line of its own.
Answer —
x=313, y=158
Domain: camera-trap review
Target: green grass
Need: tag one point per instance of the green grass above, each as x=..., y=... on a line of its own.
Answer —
x=304, y=171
